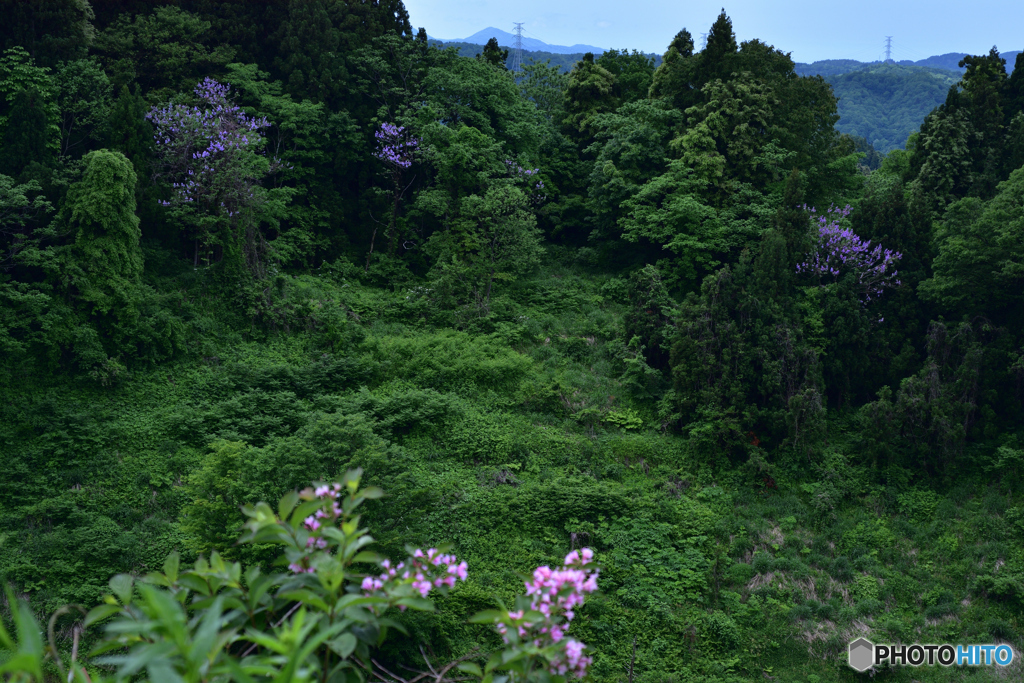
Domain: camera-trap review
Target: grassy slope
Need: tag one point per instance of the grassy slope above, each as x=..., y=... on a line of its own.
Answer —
x=501, y=441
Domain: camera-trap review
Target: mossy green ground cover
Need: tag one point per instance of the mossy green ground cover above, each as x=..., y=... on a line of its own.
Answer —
x=516, y=438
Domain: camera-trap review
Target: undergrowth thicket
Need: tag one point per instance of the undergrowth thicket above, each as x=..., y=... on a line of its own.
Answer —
x=517, y=438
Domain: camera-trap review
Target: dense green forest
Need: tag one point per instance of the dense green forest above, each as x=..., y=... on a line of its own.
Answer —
x=886, y=103
x=563, y=61
x=659, y=322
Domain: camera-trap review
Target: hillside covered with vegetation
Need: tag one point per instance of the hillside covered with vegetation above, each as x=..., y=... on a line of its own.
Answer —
x=653, y=327
x=885, y=103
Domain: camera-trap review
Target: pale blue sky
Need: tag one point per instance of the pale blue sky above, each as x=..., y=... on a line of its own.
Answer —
x=811, y=30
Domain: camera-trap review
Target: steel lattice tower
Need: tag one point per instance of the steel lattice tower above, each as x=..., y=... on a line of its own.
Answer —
x=517, y=55
x=888, y=48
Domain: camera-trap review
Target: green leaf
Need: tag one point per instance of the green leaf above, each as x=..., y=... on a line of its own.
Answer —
x=171, y=566
x=384, y=622
x=305, y=510
x=287, y=504
x=421, y=604
x=343, y=645
x=99, y=613
x=306, y=597
x=367, y=556
x=371, y=493
x=355, y=600
x=471, y=668
x=194, y=583
x=492, y=662
x=121, y=585
x=486, y=617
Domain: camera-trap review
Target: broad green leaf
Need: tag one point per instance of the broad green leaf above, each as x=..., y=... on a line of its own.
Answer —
x=99, y=613
x=492, y=662
x=171, y=566
x=471, y=668
x=367, y=556
x=121, y=585
x=420, y=604
x=371, y=493
x=343, y=645
x=287, y=504
x=306, y=597
x=487, y=616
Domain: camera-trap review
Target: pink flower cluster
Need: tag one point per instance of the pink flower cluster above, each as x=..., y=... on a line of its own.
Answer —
x=840, y=250
x=556, y=593
x=315, y=522
x=425, y=571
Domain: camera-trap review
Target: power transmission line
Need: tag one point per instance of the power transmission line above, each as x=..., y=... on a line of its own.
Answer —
x=517, y=56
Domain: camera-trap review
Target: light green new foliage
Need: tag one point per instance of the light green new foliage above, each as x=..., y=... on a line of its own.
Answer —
x=83, y=95
x=105, y=263
x=495, y=237
x=19, y=72
x=980, y=264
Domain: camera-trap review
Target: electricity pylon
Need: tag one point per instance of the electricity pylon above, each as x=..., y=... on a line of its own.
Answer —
x=517, y=55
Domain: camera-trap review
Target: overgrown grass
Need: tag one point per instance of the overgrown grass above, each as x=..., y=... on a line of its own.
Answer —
x=516, y=438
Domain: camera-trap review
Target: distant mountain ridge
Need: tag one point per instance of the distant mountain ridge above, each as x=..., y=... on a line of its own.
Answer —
x=882, y=102
x=505, y=38
x=949, y=61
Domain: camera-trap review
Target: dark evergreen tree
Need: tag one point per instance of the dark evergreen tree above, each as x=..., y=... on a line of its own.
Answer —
x=674, y=79
x=1013, y=99
x=682, y=43
x=131, y=134
x=165, y=51
x=982, y=96
x=51, y=31
x=590, y=91
x=493, y=54
x=721, y=42
x=28, y=135
x=633, y=73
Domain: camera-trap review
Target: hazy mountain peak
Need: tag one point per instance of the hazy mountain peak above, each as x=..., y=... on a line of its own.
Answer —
x=506, y=39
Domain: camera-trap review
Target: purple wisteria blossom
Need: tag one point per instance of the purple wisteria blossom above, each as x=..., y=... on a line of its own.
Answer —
x=397, y=149
x=518, y=171
x=525, y=175
x=212, y=152
x=840, y=251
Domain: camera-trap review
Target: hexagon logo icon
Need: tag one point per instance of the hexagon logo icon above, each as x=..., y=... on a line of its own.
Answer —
x=862, y=654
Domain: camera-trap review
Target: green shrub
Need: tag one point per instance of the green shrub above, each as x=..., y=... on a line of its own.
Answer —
x=740, y=573
x=840, y=569
x=919, y=505
x=762, y=562
x=1000, y=630
x=800, y=612
x=719, y=631
x=449, y=359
